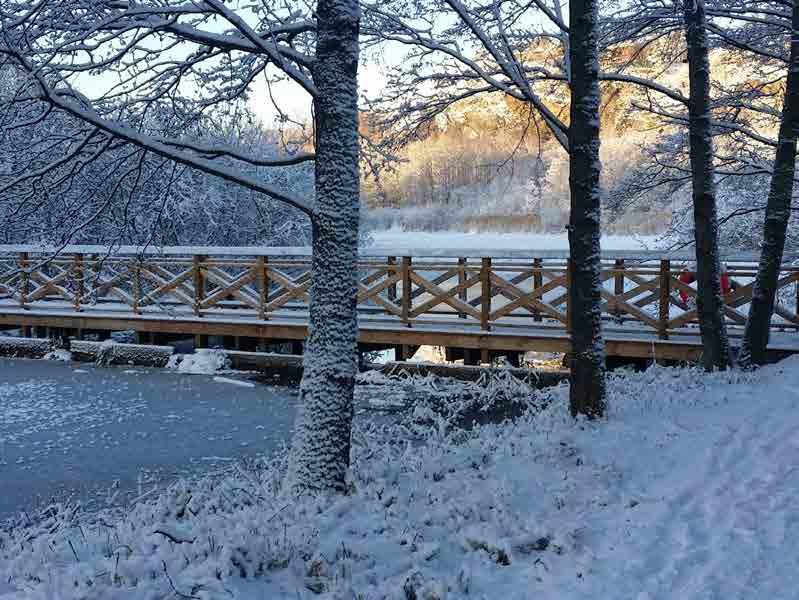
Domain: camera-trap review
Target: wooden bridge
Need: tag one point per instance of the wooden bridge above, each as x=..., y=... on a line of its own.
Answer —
x=477, y=304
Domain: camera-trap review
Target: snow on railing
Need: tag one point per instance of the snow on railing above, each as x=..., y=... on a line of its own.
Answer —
x=366, y=252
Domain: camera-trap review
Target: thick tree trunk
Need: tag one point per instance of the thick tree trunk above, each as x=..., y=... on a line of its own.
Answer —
x=778, y=212
x=710, y=305
x=321, y=446
x=587, y=394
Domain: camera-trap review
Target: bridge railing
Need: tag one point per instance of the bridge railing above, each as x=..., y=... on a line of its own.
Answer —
x=645, y=294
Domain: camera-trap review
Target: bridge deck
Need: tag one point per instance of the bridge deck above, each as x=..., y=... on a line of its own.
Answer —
x=505, y=303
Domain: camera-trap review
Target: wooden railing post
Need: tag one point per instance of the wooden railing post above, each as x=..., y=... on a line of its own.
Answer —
x=24, y=279
x=538, y=282
x=136, y=287
x=463, y=294
x=665, y=298
x=96, y=268
x=485, y=294
x=77, y=274
x=199, y=284
x=392, y=289
x=406, y=290
x=262, y=276
x=618, y=284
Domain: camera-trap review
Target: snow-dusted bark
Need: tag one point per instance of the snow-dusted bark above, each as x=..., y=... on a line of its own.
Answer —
x=778, y=213
x=710, y=305
x=588, y=356
x=321, y=446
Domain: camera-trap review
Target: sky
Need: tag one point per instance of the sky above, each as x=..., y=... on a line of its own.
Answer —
x=297, y=104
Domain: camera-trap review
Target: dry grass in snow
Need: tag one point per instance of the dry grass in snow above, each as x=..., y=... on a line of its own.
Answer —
x=687, y=490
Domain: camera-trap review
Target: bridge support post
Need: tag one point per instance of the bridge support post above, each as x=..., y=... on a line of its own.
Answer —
x=665, y=298
x=471, y=356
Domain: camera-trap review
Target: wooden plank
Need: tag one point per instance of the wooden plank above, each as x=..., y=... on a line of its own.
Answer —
x=523, y=299
x=440, y=296
x=368, y=293
x=234, y=288
x=186, y=290
x=392, y=268
x=438, y=280
x=450, y=293
x=289, y=291
x=388, y=305
x=172, y=286
x=538, y=281
x=485, y=294
x=524, y=275
x=24, y=278
x=103, y=287
x=618, y=280
x=136, y=288
x=262, y=277
x=622, y=306
x=463, y=294
x=77, y=277
x=242, y=292
x=48, y=285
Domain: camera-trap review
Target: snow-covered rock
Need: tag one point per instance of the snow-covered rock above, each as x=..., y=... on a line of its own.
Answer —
x=109, y=352
x=205, y=361
x=25, y=347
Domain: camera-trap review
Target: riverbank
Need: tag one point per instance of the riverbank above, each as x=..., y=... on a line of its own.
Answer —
x=686, y=490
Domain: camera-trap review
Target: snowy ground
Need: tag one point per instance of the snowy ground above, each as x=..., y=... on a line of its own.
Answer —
x=456, y=240
x=72, y=430
x=687, y=491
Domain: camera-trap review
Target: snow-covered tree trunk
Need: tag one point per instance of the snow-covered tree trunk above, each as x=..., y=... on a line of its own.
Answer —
x=588, y=356
x=778, y=212
x=710, y=305
x=321, y=445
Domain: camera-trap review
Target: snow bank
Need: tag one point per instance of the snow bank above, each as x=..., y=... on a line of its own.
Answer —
x=687, y=490
x=205, y=361
x=59, y=355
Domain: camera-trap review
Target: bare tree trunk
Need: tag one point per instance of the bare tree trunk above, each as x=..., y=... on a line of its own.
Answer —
x=321, y=446
x=778, y=212
x=710, y=305
x=587, y=362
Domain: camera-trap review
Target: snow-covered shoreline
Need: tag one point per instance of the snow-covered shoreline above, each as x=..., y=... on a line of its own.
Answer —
x=686, y=490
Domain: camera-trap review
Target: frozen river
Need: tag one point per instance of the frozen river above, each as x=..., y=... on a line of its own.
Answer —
x=81, y=432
